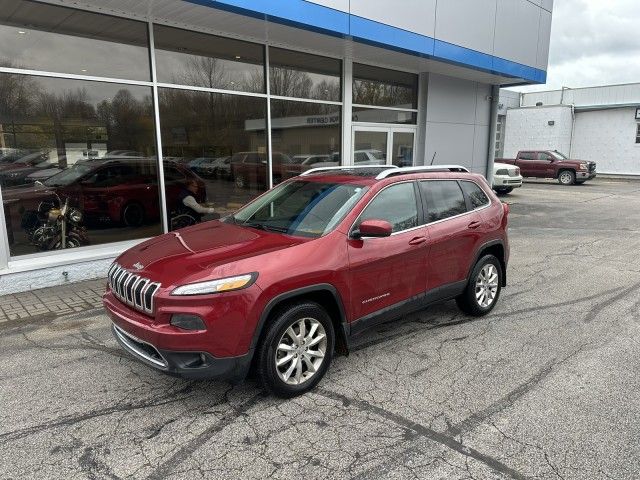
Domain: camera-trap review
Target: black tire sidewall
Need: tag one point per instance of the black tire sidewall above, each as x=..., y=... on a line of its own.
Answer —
x=468, y=301
x=282, y=320
x=127, y=221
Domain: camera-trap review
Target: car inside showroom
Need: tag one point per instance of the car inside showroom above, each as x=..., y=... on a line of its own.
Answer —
x=113, y=112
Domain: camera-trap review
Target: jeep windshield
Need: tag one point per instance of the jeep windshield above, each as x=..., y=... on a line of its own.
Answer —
x=301, y=208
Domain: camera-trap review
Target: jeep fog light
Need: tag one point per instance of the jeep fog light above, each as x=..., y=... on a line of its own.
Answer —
x=187, y=322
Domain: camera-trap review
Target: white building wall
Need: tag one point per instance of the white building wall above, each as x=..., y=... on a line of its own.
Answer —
x=457, y=123
x=608, y=137
x=529, y=129
x=586, y=97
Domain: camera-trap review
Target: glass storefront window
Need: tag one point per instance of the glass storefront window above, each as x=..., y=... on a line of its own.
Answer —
x=378, y=115
x=37, y=36
x=302, y=75
x=77, y=163
x=218, y=146
x=200, y=60
x=303, y=136
x=384, y=88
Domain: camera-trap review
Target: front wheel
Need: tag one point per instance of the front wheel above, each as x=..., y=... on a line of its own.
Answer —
x=567, y=177
x=504, y=191
x=483, y=290
x=296, y=350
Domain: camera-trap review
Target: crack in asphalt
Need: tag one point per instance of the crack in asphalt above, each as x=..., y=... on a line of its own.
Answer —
x=165, y=468
x=74, y=419
x=423, y=431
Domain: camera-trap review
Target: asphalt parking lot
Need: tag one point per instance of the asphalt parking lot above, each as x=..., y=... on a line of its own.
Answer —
x=547, y=386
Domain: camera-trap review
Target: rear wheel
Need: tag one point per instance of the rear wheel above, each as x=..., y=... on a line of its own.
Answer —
x=483, y=289
x=296, y=350
x=133, y=215
x=567, y=177
x=241, y=181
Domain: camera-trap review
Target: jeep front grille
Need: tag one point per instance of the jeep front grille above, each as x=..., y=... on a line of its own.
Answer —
x=136, y=291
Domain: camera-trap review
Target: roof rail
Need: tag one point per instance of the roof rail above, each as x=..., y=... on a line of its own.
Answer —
x=346, y=167
x=432, y=168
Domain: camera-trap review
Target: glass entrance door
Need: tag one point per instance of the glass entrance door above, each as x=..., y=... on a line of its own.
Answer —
x=383, y=146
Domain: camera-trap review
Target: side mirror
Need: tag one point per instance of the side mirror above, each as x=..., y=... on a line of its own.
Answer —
x=373, y=229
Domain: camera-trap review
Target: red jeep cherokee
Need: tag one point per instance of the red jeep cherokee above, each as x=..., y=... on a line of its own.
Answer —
x=301, y=271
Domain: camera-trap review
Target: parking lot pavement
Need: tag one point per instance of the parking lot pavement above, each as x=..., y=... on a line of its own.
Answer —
x=547, y=386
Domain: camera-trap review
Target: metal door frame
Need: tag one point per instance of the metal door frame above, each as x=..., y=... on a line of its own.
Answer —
x=390, y=130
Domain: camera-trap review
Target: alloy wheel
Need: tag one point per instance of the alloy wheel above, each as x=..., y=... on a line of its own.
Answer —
x=565, y=178
x=301, y=351
x=487, y=285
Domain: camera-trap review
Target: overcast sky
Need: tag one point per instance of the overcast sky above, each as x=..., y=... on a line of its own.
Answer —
x=593, y=42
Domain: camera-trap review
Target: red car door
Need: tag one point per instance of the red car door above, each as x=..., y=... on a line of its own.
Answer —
x=527, y=163
x=388, y=272
x=454, y=233
x=545, y=165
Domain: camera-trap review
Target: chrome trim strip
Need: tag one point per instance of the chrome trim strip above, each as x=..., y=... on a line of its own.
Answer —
x=124, y=284
x=126, y=338
x=128, y=290
x=428, y=223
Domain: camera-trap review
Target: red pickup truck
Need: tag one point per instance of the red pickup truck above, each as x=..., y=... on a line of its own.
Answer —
x=552, y=164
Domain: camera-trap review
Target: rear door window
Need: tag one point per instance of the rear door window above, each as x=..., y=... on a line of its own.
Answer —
x=477, y=198
x=396, y=204
x=443, y=198
x=528, y=156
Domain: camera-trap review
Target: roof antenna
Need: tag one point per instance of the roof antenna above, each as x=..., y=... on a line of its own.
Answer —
x=434, y=157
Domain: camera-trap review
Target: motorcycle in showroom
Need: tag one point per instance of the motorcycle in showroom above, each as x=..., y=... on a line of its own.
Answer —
x=56, y=227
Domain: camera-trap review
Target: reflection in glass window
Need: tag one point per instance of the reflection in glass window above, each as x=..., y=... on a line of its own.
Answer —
x=444, y=199
x=301, y=75
x=477, y=197
x=384, y=88
x=81, y=146
x=377, y=115
x=304, y=136
x=305, y=208
x=219, y=138
x=396, y=204
x=38, y=36
x=197, y=59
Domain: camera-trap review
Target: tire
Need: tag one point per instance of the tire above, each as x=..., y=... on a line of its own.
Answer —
x=567, y=177
x=182, y=220
x=132, y=215
x=294, y=376
x=240, y=181
x=504, y=191
x=471, y=302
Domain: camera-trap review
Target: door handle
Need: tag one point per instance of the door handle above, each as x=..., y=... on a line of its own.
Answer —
x=473, y=225
x=417, y=240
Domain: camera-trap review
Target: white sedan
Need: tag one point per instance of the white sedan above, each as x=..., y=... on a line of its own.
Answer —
x=506, y=177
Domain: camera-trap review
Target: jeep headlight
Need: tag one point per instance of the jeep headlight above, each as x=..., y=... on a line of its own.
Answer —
x=217, y=286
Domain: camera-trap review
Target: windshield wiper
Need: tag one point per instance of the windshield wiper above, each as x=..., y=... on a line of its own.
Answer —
x=267, y=228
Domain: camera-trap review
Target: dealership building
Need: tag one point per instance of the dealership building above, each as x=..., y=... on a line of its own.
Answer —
x=600, y=124
x=113, y=107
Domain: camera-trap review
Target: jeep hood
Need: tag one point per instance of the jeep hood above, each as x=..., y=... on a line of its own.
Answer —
x=204, y=251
